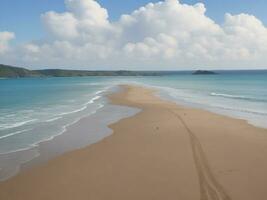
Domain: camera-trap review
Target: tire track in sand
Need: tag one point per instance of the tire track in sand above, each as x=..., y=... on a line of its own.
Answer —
x=210, y=188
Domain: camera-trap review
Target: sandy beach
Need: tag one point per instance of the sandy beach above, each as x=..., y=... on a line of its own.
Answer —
x=165, y=151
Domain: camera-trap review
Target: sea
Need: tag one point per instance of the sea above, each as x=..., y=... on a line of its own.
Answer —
x=38, y=110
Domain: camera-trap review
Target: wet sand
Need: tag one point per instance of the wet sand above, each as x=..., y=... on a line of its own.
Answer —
x=164, y=152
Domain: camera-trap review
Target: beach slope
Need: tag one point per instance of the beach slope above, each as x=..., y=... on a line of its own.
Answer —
x=164, y=152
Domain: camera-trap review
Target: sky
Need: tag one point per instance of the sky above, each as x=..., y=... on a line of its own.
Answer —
x=134, y=34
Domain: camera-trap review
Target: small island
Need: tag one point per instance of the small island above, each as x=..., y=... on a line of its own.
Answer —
x=204, y=72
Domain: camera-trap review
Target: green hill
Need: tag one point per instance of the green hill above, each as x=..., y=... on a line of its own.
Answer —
x=7, y=71
x=13, y=72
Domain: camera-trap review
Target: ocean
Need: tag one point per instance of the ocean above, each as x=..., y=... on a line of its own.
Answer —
x=239, y=94
x=34, y=110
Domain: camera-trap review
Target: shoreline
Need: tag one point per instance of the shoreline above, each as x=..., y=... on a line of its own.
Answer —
x=177, y=152
x=164, y=93
x=74, y=137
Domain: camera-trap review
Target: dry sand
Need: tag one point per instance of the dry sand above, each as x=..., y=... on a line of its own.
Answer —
x=164, y=152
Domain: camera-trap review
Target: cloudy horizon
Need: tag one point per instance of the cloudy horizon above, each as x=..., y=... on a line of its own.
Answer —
x=165, y=35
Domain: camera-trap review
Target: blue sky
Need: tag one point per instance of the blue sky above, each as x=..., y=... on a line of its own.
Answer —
x=172, y=34
x=23, y=16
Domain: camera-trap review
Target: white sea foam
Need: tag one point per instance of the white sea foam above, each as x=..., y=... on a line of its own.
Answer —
x=235, y=96
x=74, y=111
x=14, y=133
x=82, y=108
x=252, y=114
x=93, y=84
x=36, y=143
x=93, y=100
x=44, y=114
x=15, y=125
x=106, y=119
x=256, y=112
x=53, y=119
x=99, y=92
x=228, y=95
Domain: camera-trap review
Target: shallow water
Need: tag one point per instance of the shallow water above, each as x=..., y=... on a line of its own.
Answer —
x=240, y=94
x=35, y=110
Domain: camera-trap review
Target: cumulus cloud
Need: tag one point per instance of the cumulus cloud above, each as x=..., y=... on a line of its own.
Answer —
x=161, y=35
x=5, y=38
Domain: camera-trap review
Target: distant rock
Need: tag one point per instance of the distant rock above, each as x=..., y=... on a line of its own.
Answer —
x=204, y=72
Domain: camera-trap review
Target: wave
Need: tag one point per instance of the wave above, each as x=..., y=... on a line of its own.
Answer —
x=181, y=96
x=93, y=100
x=74, y=111
x=14, y=133
x=93, y=84
x=99, y=92
x=235, y=97
x=235, y=109
x=82, y=108
x=242, y=110
x=36, y=143
x=15, y=125
x=227, y=95
x=53, y=119
x=45, y=116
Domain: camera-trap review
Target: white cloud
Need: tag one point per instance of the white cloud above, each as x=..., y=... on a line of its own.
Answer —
x=61, y=26
x=89, y=11
x=161, y=35
x=5, y=38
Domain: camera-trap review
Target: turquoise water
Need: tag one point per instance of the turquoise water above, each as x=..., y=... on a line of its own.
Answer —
x=240, y=94
x=36, y=110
